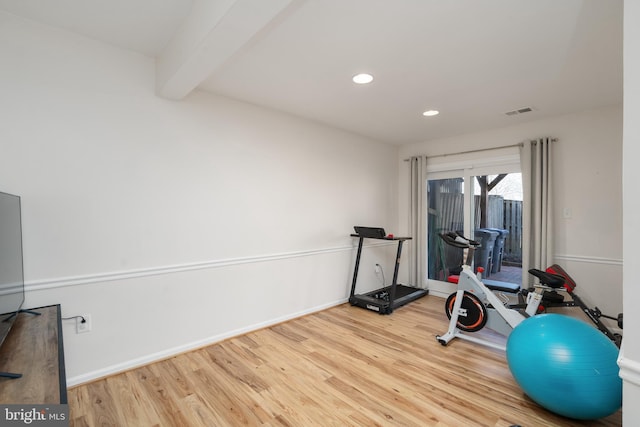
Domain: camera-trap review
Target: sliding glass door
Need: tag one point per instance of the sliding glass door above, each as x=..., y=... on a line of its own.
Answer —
x=484, y=204
x=445, y=212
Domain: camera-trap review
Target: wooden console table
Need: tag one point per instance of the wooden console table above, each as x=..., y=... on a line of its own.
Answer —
x=34, y=349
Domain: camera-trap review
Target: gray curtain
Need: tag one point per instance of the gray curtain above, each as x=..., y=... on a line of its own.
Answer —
x=537, y=217
x=417, y=221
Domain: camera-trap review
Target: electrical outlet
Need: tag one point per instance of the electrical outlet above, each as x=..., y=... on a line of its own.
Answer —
x=82, y=327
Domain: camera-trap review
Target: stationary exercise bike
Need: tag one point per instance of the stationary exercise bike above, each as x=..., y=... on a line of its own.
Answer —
x=474, y=305
x=556, y=279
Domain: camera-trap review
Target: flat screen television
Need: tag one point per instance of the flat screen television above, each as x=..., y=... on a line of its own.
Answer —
x=11, y=268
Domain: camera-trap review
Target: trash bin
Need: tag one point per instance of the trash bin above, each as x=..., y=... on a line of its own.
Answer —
x=484, y=254
x=498, y=248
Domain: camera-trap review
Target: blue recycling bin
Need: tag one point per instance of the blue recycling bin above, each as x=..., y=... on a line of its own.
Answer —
x=483, y=256
x=498, y=248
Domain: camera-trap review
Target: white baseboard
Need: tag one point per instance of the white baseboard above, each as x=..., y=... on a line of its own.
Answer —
x=171, y=352
x=439, y=293
x=629, y=369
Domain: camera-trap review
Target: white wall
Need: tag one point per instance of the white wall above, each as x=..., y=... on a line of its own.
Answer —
x=589, y=161
x=630, y=358
x=588, y=180
x=173, y=224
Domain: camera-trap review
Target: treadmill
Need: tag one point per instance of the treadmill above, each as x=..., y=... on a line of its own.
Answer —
x=388, y=298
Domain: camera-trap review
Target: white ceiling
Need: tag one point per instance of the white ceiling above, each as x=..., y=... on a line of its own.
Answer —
x=473, y=60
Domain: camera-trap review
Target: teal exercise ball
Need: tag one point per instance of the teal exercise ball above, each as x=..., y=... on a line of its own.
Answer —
x=566, y=365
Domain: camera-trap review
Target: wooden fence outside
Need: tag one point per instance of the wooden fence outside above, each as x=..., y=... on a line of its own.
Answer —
x=505, y=215
x=513, y=222
x=447, y=215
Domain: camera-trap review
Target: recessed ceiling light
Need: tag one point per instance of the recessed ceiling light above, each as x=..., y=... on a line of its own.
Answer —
x=362, y=79
x=430, y=113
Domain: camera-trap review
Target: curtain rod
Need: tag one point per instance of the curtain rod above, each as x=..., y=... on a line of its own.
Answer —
x=478, y=150
x=472, y=151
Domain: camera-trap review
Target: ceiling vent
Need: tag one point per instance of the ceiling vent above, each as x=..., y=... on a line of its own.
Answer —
x=519, y=111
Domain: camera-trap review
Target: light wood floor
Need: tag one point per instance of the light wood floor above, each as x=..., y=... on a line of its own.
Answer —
x=343, y=366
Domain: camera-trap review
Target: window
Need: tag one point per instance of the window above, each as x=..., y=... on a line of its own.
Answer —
x=483, y=202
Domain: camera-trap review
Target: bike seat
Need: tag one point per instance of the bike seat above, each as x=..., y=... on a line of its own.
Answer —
x=552, y=280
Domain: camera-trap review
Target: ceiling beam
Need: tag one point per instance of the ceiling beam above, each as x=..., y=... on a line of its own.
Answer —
x=212, y=33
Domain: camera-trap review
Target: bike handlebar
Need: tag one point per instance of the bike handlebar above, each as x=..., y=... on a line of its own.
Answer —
x=458, y=240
